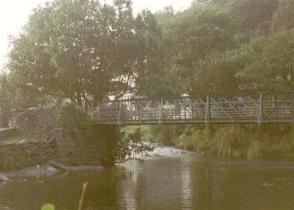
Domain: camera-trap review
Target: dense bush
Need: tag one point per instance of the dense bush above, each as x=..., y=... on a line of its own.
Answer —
x=136, y=133
x=133, y=140
x=76, y=122
x=166, y=134
x=251, y=141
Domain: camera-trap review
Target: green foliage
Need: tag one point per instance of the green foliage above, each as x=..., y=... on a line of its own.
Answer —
x=254, y=150
x=165, y=134
x=267, y=63
x=267, y=141
x=256, y=14
x=6, y=101
x=231, y=141
x=48, y=207
x=76, y=122
x=154, y=78
x=284, y=18
x=165, y=15
x=195, y=138
x=222, y=47
x=137, y=133
x=83, y=51
x=197, y=52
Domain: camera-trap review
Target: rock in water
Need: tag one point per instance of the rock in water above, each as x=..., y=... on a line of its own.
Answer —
x=3, y=178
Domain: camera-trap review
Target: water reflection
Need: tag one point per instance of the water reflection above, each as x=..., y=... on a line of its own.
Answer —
x=163, y=184
x=187, y=189
x=129, y=187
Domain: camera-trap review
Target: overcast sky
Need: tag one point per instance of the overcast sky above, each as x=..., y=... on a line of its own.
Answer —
x=14, y=14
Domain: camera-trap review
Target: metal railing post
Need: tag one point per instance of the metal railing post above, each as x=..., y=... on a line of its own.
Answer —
x=207, y=111
x=160, y=114
x=274, y=105
x=119, y=114
x=260, y=110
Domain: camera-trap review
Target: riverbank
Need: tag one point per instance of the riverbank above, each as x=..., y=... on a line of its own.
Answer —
x=168, y=178
x=22, y=151
x=248, y=141
x=26, y=162
x=24, y=157
x=236, y=141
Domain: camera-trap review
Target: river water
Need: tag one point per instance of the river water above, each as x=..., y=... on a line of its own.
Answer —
x=167, y=179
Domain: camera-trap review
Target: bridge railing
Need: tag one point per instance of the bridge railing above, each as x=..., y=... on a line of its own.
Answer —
x=234, y=109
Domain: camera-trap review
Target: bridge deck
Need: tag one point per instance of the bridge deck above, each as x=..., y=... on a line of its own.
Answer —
x=262, y=108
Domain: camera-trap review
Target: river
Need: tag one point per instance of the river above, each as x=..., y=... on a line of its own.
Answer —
x=167, y=179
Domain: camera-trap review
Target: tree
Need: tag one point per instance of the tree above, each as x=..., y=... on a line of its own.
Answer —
x=198, y=40
x=284, y=17
x=5, y=101
x=155, y=78
x=268, y=63
x=164, y=15
x=257, y=14
x=79, y=50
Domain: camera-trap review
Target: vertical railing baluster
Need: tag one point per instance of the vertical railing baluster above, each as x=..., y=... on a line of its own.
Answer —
x=274, y=105
x=207, y=111
x=119, y=113
x=260, y=110
x=160, y=114
x=185, y=111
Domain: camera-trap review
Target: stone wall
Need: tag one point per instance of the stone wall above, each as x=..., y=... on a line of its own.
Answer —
x=40, y=122
x=96, y=151
x=6, y=133
x=32, y=153
x=51, y=143
x=18, y=156
x=78, y=152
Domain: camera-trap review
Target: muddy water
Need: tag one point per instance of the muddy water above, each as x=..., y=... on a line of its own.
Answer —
x=166, y=179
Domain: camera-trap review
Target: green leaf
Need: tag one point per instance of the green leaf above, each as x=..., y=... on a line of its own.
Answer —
x=48, y=207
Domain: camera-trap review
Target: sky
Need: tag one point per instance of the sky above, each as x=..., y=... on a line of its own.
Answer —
x=14, y=14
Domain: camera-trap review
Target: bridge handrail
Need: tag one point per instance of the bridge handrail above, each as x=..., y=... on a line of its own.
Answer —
x=260, y=108
x=255, y=94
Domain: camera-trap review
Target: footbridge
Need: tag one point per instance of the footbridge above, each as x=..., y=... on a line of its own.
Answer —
x=260, y=108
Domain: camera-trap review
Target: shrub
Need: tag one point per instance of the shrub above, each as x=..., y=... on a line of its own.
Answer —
x=231, y=140
x=167, y=134
x=132, y=133
x=76, y=122
x=254, y=150
x=48, y=207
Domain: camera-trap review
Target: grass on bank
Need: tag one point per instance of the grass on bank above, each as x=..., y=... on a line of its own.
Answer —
x=251, y=141
x=19, y=139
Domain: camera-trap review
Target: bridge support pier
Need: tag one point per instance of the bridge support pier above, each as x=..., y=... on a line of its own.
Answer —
x=106, y=140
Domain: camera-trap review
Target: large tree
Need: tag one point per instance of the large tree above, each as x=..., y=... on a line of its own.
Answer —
x=198, y=40
x=5, y=101
x=155, y=78
x=284, y=16
x=80, y=50
x=267, y=63
x=257, y=14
